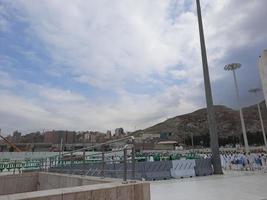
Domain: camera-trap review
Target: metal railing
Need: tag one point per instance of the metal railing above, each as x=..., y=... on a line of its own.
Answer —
x=99, y=163
x=104, y=163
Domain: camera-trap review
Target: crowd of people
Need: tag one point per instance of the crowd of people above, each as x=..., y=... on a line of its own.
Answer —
x=244, y=161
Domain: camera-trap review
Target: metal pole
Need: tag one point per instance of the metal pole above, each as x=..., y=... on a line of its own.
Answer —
x=241, y=114
x=103, y=163
x=216, y=161
x=133, y=161
x=71, y=162
x=83, y=139
x=125, y=165
x=192, y=139
x=61, y=144
x=46, y=164
x=50, y=163
x=262, y=126
x=60, y=162
x=14, y=169
x=84, y=162
x=43, y=164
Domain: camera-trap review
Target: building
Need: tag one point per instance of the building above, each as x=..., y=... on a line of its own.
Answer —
x=108, y=135
x=146, y=136
x=55, y=137
x=119, y=132
x=95, y=137
x=16, y=137
x=263, y=73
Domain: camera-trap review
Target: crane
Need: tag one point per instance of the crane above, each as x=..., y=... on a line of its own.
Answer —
x=10, y=143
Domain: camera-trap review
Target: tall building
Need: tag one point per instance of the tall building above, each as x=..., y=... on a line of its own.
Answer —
x=108, y=135
x=263, y=73
x=119, y=132
x=16, y=137
x=55, y=137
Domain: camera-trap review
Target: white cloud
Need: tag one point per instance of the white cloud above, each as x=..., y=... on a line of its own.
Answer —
x=49, y=108
x=113, y=45
x=5, y=80
x=4, y=25
x=106, y=44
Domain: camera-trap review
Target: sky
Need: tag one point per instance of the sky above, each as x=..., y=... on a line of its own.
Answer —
x=98, y=65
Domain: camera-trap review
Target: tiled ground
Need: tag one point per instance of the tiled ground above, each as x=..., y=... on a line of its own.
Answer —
x=233, y=186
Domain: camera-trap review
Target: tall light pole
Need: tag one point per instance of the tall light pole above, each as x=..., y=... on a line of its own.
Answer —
x=190, y=127
x=214, y=143
x=256, y=91
x=232, y=67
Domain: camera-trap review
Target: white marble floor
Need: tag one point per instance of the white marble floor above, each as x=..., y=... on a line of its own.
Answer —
x=241, y=186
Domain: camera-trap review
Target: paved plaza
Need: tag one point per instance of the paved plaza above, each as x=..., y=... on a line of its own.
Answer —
x=231, y=186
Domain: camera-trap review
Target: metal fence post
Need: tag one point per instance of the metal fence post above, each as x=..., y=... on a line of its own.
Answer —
x=124, y=165
x=71, y=162
x=59, y=156
x=133, y=161
x=14, y=167
x=50, y=163
x=60, y=161
x=42, y=164
x=46, y=164
x=84, y=162
x=103, y=163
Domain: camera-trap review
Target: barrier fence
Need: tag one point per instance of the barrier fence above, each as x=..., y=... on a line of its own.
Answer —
x=121, y=163
x=157, y=170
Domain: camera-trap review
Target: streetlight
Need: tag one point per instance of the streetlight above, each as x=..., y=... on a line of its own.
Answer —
x=255, y=91
x=232, y=67
x=214, y=143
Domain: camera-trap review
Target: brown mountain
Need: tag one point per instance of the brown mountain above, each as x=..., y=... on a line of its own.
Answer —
x=179, y=128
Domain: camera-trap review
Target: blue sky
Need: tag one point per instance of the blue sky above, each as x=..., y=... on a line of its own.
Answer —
x=97, y=65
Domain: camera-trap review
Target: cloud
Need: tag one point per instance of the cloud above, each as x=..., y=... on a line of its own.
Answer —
x=53, y=108
x=107, y=46
x=4, y=25
x=142, y=58
x=5, y=80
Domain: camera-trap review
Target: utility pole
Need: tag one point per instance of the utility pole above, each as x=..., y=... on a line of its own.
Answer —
x=214, y=143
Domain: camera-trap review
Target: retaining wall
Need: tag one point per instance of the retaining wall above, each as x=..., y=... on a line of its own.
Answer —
x=52, y=181
x=76, y=188
x=10, y=184
x=28, y=182
x=107, y=191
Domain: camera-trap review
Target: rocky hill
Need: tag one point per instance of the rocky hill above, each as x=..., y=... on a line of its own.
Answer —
x=179, y=128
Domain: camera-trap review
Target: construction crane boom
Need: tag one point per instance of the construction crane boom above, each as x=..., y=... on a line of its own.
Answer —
x=10, y=143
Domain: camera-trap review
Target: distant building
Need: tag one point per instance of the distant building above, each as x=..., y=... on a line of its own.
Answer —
x=55, y=137
x=165, y=135
x=150, y=136
x=95, y=137
x=119, y=132
x=34, y=137
x=16, y=137
x=108, y=135
x=263, y=73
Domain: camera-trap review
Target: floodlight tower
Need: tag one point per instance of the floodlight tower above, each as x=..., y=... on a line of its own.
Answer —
x=255, y=91
x=232, y=67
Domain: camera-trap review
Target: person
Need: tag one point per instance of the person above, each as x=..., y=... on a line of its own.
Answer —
x=251, y=159
x=258, y=162
x=223, y=161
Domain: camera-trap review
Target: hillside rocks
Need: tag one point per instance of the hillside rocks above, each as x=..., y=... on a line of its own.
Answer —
x=228, y=123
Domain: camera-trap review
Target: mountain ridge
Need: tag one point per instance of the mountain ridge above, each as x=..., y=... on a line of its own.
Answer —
x=228, y=124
